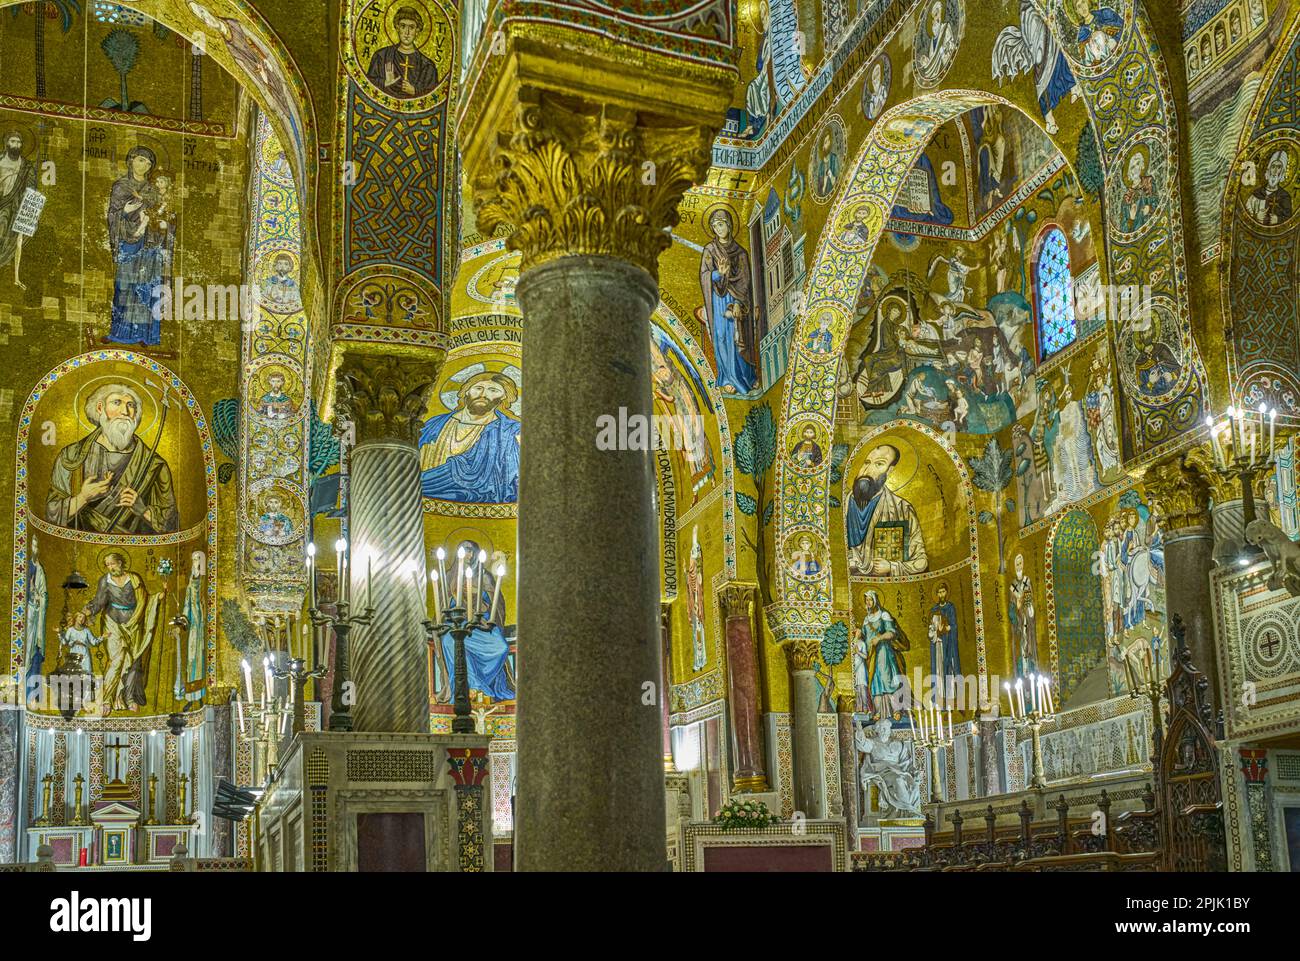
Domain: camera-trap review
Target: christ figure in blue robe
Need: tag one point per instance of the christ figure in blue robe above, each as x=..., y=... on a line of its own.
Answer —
x=471, y=454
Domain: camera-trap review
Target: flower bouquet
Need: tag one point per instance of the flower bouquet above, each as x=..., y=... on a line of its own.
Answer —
x=745, y=814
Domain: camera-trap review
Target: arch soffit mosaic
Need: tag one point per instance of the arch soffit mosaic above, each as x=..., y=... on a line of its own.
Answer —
x=1128, y=102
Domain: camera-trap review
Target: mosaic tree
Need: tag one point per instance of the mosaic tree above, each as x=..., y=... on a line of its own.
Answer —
x=992, y=473
x=755, y=454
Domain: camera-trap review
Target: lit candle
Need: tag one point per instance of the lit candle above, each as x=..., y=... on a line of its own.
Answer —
x=470, y=600
x=437, y=597
x=1272, y=428
x=950, y=724
x=1020, y=696
x=1047, y=690
x=923, y=734
x=496, y=595
x=1263, y=409
x=248, y=678
x=910, y=723
x=1213, y=428
x=1252, y=431
x=482, y=565
x=460, y=572
x=340, y=546
x=442, y=570
x=1011, y=704
x=311, y=572
x=239, y=707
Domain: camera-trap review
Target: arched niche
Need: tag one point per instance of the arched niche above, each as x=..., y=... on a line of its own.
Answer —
x=166, y=542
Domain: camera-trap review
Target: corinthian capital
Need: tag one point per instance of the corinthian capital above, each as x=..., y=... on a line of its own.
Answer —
x=576, y=177
x=1180, y=489
x=384, y=397
x=737, y=600
x=583, y=142
x=801, y=654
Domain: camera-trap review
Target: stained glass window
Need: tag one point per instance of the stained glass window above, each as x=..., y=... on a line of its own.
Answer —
x=1054, y=288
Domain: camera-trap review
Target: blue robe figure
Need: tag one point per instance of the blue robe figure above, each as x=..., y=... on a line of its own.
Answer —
x=485, y=473
x=950, y=665
x=725, y=282
x=141, y=240
x=487, y=651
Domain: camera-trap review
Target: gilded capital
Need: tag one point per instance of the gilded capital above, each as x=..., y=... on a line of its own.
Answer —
x=802, y=654
x=1180, y=489
x=737, y=601
x=572, y=176
x=384, y=397
x=581, y=144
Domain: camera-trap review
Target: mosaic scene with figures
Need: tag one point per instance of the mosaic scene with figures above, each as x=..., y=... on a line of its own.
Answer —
x=700, y=435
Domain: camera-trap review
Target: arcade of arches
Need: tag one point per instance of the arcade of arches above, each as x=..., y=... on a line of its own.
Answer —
x=512, y=435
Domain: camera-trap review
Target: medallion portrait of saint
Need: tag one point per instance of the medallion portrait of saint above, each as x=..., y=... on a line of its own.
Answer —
x=112, y=481
x=400, y=69
x=471, y=454
x=1270, y=203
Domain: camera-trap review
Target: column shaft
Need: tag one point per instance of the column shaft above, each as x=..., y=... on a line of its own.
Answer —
x=386, y=524
x=806, y=739
x=590, y=741
x=742, y=690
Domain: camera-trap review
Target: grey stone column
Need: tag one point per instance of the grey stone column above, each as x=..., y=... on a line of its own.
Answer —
x=385, y=398
x=805, y=738
x=591, y=792
x=1181, y=490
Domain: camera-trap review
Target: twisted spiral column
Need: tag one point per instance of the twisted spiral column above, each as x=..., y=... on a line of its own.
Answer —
x=385, y=398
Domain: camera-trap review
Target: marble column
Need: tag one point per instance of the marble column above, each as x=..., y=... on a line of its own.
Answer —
x=846, y=709
x=743, y=696
x=1180, y=489
x=11, y=775
x=590, y=189
x=385, y=398
x=806, y=741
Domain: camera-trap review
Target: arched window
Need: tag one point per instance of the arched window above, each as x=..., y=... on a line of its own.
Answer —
x=1054, y=294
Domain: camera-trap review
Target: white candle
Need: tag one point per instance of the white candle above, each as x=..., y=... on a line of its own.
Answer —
x=442, y=570
x=311, y=573
x=910, y=723
x=950, y=737
x=470, y=601
x=1047, y=689
x=1213, y=429
x=340, y=567
x=437, y=600
x=239, y=707
x=460, y=572
x=496, y=594
x=248, y=678
x=1263, y=409
x=1020, y=696
x=1011, y=704
x=482, y=565
x=1272, y=427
